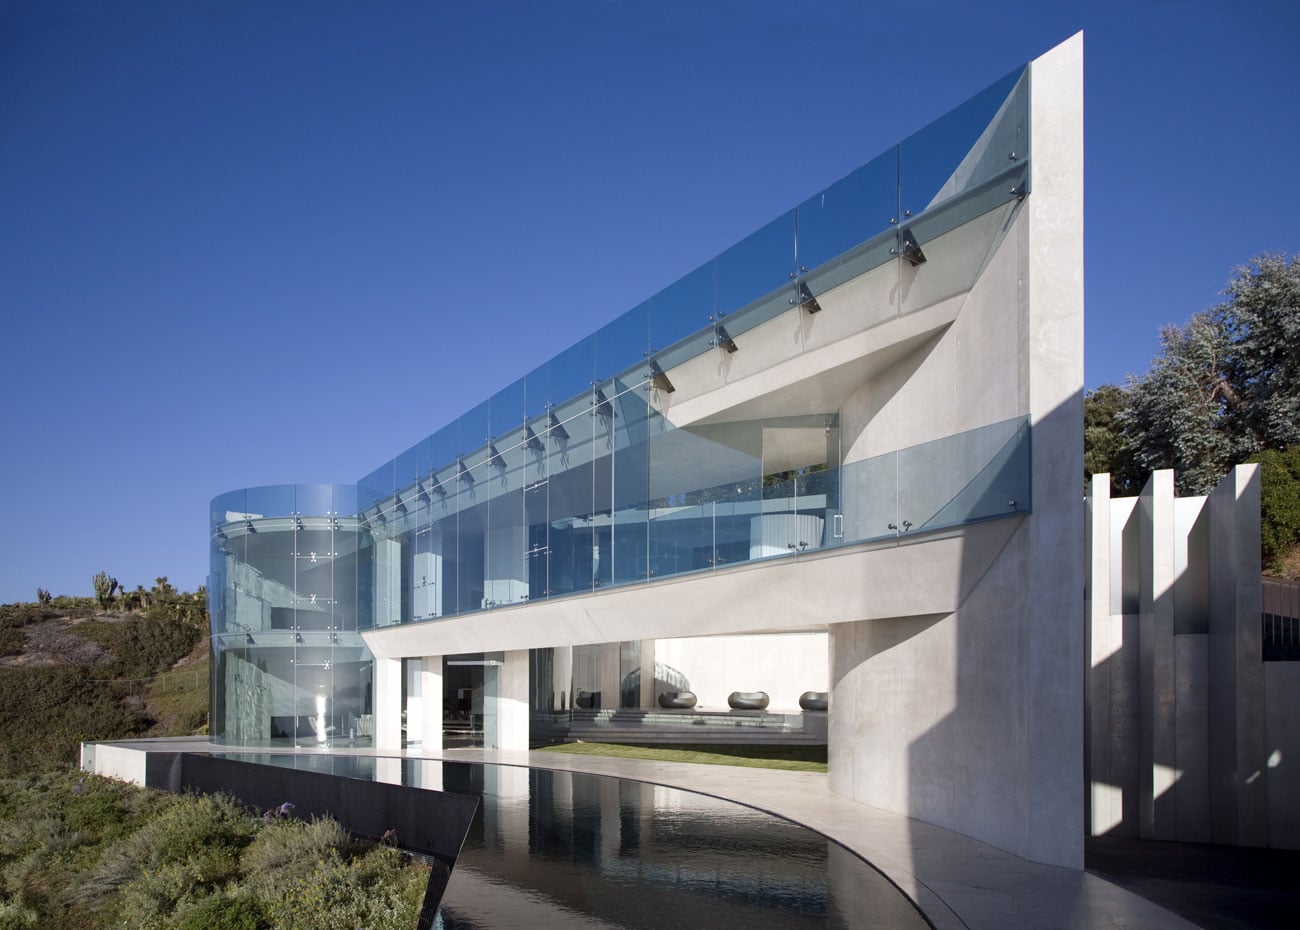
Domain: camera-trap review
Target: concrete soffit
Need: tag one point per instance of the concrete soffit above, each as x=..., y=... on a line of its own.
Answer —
x=798, y=364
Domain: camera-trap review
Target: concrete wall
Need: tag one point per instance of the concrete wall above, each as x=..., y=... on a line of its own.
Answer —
x=969, y=718
x=1189, y=729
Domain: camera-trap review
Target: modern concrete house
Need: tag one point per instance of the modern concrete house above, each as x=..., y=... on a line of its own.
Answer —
x=843, y=456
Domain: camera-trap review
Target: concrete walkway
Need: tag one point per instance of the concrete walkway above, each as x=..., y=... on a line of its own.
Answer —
x=957, y=882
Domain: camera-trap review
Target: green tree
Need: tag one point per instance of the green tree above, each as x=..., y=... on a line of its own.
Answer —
x=1226, y=385
x=105, y=589
x=1261, y=322
x=1279, y=504
x=1105, y=447
x=1176, y=413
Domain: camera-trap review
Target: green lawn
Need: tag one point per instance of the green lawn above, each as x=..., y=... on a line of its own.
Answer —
x=794, y=758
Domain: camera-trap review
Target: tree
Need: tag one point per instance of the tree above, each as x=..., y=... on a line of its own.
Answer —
x=1176, y=413
x=1226, y=385
x=1279, y=488
x=1105, y=447
x=105, y=589
x=1261, y=323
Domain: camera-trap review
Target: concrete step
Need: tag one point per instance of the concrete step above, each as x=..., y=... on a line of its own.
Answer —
x=658, y=736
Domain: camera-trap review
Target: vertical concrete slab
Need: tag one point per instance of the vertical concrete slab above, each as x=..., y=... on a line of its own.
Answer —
x=1238, y=751
x=1157, y=707
x=610, y=679
x=431, y=687
x=1192, y=729
x=1282, y=699
x=1053, y=619
x=388, y=703
x=512, y=701
x=1101, y=648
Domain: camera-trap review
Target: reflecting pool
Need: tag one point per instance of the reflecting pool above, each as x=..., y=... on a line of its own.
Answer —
x=565, y=849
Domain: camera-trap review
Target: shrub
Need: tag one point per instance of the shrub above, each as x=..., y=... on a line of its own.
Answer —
x=286, y=849
x=46, y=712
x=374, y=891
x=222, y=912
x=1279, y=503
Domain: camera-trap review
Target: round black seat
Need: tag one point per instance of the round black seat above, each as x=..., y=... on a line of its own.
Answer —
x=813, y=700
x=677, y=700
x=748, y=700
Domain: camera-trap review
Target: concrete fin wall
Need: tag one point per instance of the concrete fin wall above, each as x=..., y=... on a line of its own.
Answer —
x=971, y=718
x=1190, y=732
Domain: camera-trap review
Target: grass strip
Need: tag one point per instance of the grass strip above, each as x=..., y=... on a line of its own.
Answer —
x=791, y=758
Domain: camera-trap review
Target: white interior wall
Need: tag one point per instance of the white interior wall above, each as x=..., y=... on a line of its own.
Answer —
x=783, y=664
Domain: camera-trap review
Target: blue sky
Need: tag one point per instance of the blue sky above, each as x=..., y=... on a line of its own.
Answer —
x=254, y=243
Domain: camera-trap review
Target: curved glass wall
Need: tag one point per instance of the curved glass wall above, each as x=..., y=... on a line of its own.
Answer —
x=288, y=665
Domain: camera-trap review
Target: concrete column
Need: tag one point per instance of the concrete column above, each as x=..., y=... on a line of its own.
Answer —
x=388, y=703
x=1238, y=747
x=609, y=675
x=1104, y=810
x=1156, y=677
x=1053, y=622
x=512, y=701
x=414, y=701
x=431, y=688
x=648, y=697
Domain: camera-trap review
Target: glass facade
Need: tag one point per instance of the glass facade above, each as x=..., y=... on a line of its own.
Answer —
x=574, y=478
x=288, y=664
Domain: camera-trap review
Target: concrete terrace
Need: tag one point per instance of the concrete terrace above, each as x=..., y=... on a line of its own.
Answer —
x=958, y=882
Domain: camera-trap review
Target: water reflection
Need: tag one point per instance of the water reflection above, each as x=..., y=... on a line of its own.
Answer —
x=562, y=849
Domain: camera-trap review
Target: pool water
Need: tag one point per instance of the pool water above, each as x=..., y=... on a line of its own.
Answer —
x=564, y=849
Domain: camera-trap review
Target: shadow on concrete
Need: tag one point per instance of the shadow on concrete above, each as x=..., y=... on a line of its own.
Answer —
x=1215, y=887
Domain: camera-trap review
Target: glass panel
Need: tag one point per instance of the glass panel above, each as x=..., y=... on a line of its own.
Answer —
x=869, y=497
x=630, y=478
x=344, y=498
x=507, y=409
x=971, y=476
x=407, y=468
x=571, y=492
x=945, y=157
x=623, y=345
x=537, y=391
x=573, y=371
x=507, y=576
x=376, y=485
x=755, y=275
x=849, y=212
x=537, y=517
x=475, y=427
x=847, y=229
x=273, y=501
x=683, y=309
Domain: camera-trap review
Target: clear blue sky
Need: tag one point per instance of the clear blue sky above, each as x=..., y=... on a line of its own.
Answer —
x=264, y=242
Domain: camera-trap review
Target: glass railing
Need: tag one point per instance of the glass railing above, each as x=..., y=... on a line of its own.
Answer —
x=966, y=164
x=547, y=539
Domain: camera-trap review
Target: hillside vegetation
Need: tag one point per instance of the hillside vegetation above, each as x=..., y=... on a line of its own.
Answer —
x=118, y=665
x=82, y=851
